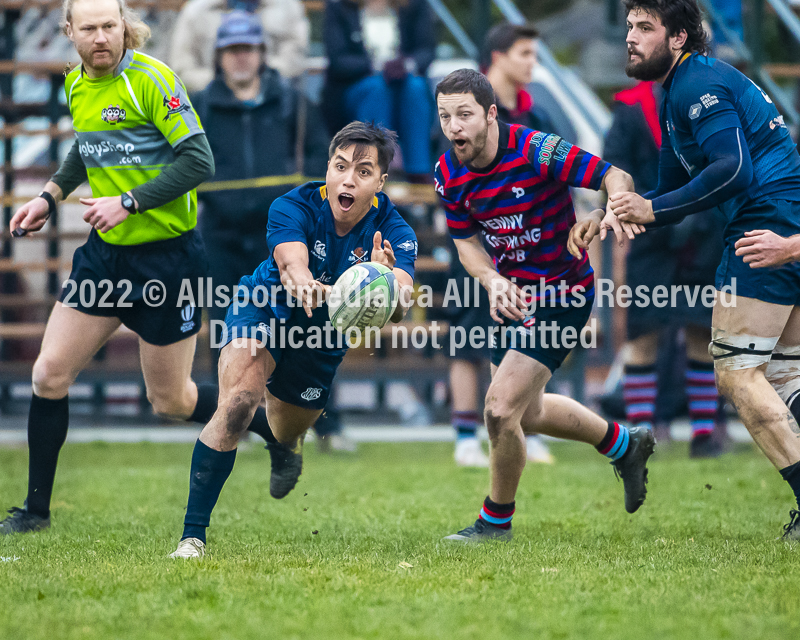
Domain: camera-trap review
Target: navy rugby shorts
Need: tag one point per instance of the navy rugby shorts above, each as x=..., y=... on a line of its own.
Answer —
x=112, y=281
x=303, y=375
x=778, y=285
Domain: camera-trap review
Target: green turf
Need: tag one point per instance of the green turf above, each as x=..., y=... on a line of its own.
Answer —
x=354, y=551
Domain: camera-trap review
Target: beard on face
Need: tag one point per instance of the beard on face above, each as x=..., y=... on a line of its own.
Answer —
x=113, y=55
x=472, y=149
x=654, y=67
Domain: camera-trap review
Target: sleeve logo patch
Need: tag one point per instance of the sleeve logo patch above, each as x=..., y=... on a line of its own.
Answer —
x=174, y=105
x=113, y=114
x=694, y=111
x=708, y=100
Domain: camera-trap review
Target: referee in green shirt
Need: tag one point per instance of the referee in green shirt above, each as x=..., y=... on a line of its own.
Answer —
x=141, y=146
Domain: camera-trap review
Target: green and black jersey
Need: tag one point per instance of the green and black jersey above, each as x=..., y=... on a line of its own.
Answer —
x=127, y=125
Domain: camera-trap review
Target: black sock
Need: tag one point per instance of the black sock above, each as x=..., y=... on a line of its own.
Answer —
x=48, y=421
x=329, y=423
x=792, y=475
x=207, y=398
x=260, y=426
x=210, y=470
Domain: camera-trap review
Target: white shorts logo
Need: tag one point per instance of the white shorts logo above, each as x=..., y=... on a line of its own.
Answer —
x=312, y=393
x=265, y=328
x=187, y=315
x=319, y=250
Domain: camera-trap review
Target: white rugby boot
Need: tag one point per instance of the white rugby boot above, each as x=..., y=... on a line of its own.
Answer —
x=189, y=548
x=470, y=454
x=538, y=451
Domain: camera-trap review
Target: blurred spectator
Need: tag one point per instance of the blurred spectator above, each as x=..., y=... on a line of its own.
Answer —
x=684, y=254
x=285, y=27
x=379, y=52
x=509, y=58
x=255, y=123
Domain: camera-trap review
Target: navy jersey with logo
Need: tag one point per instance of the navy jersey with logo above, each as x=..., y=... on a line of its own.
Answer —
x=304, y=215
x=522, y=204
x=704, y=96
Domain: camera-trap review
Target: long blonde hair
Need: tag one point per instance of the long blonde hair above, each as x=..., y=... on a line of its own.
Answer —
x=136, y=31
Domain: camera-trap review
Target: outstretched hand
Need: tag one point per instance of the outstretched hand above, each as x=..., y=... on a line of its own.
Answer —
x=382, y=252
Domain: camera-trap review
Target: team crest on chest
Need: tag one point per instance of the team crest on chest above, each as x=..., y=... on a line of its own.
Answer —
x=174, y=105
x=357, y=255
x=113, y=114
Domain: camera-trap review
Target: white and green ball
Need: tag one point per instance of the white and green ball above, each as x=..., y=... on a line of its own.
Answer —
x=364, y=296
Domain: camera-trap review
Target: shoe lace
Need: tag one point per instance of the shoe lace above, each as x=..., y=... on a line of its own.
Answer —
x=794, y=514
x=15, y=510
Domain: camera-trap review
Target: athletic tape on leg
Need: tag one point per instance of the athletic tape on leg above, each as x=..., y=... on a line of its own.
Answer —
x=783, y=371
x=732, y=352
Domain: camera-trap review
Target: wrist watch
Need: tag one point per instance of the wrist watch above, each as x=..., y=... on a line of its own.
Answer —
x=50, y=200
x=128, y=203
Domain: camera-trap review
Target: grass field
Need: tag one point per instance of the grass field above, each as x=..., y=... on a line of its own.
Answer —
x=354, y=551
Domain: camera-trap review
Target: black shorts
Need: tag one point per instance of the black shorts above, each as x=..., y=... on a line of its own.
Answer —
x=547, y=335
x=152, y=288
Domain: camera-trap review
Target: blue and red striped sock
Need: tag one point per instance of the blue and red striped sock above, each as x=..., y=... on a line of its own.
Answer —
x=614, y=444
x=498, y=515
x=466, y=423
x=639, y=390
x=703, y=397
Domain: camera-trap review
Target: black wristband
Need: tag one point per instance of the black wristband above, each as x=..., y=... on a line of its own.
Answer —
x=51, y=202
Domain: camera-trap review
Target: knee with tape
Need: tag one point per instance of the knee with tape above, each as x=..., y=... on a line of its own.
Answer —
x=783, y=373
x=733, y=352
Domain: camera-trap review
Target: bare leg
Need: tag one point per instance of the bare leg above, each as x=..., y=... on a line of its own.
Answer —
x=168, y=377
x=70, y=341
x=761, y=409
x=564, y=418
x=243, y=373
x=518, y=381
x=464, y=385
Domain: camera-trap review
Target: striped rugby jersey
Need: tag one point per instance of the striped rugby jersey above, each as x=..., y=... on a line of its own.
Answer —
x=127, y=124
x=522, y=204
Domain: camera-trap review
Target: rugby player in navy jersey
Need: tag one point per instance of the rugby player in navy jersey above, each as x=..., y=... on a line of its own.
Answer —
x=314, y=234
x=726, y=145
x=512, y=184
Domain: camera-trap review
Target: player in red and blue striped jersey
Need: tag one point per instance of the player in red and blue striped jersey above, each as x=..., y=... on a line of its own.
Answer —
x=512, y=184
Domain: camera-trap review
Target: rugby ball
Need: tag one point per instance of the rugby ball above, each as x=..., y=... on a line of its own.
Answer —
x=364, y=296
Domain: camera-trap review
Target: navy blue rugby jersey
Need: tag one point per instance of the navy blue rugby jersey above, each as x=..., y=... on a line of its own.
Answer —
x=304, y=215
x=704, y=96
